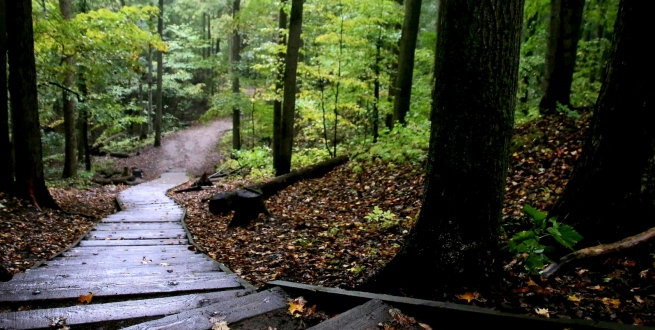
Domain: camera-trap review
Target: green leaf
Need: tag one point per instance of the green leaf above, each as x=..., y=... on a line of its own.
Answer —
x=539, y=217
x=535, y=262
x=564, y=234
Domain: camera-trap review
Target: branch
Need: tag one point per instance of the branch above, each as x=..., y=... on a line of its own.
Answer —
x=80, y=98
x=599, y=250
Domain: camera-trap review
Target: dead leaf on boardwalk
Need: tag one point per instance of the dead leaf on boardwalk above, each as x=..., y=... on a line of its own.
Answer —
x=164, y=264
x=85, y=299
x=218, y=323
x=145, y=261
x=612, y=303
x=469, y=296
x=542, y=312
x=297, y=305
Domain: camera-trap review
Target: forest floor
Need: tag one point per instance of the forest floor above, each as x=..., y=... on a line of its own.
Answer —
x=318, y=234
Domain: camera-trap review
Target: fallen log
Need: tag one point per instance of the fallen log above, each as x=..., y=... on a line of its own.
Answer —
x=198, y=185
x=247, y=206
x=113, y=180
x=119, y=155
x=598, y=250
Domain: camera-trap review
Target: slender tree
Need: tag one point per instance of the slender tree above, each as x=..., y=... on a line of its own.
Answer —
x=289, y=103
x=6, y=168
x=149, y=114
x=277, y=104
x=403, y=84
x=30, y=183
x=69, y=104
x=563, y=36
x=236, y=88
x=160, y=75
x=611, y=191
x=455, y=241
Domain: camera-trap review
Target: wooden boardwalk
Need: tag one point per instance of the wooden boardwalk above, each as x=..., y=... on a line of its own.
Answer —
x=138, y=253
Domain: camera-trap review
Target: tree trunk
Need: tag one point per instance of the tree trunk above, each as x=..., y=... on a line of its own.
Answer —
x=236, y=48
x=6, y=168
x=289, y=103
x=277, y=104
x=563, y=36
x=376, y=88
x=393, y=69
x=70, y=107
x=30, y=183
x=455, y=241
x=149, y=89
x=160, y=75
x=611, y=191
x=403, y=85
x=84, y=119
x=143, y=134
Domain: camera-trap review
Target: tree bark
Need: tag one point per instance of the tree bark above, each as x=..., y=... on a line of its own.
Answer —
x=236, y=89
x=455, y=241
x=30, y=183
x=149, y=116
x=614, y=178
x=277, y=104
x=289, y=103
x=563, y=36
x=160, y=75
x=403, y=84
x=84, y=119
x=69, y=104
x=6, y=167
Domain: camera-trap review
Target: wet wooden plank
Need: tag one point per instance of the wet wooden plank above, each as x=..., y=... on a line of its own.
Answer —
x=162, y=242
x=366, y=316
x=142, y=270
x=118, y=249
x=125, y=310
x=232, y=310
x=164, y=218
x=136, y=234
x=142, y=285
x=171, y=263
x=129, y=254
x=138, y=226
x=127, y=260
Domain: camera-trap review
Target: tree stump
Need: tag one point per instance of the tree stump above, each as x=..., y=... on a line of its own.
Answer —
x=248, y=204
x=5, y=275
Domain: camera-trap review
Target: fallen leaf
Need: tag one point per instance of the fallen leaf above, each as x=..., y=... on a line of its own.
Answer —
x=530, y=282
x=612, y=303
x=401, y=318
x=297, y=305
x=165, y=264
x=218, y=323
x=85, y=299
x=542, y=312
x=574, y=298
x=145, y=261
x=468, y=296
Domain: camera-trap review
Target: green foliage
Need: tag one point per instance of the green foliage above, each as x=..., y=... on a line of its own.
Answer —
x=527, y=244
x=404, y=144
x=382, y=219
x=565, y=110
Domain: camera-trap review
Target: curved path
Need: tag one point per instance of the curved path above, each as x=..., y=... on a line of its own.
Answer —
x=139, y=252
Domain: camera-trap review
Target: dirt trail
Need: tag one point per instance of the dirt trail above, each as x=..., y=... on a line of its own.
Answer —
x=193, y=149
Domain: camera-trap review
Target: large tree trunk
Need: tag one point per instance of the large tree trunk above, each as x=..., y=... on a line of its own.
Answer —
x=289, y=103
x=563, y=36
x=277, y=104
x=6, y=168
x=236, y=49
x=160, y=75
x=403, y=84
x=30, y=183
x=455, y=241
x=70, y=107
x=611, y=191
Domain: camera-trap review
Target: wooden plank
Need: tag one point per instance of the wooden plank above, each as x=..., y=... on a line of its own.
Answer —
x=139, y=226
x=130, y=254
x=142, y=285
x=95, y=271
x=232, y=311
x=437, y=312
x=125, y=310
x=136, y=234
x=102, y=249
x=165, y=218
x=127, y=260
x=172, y=263
x=161, y=242
x=366, y=316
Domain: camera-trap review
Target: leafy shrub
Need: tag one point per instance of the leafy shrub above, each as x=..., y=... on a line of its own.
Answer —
x=382, y=219
x=401, y=145
x=565, y=110
x=527, y=244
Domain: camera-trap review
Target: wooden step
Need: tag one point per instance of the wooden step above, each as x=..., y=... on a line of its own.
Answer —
x=124, y=310
x=138, y=226
x=231, y=311
x=119, y=286
x=162, y=242
x=366, y=316
x=135, y=234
